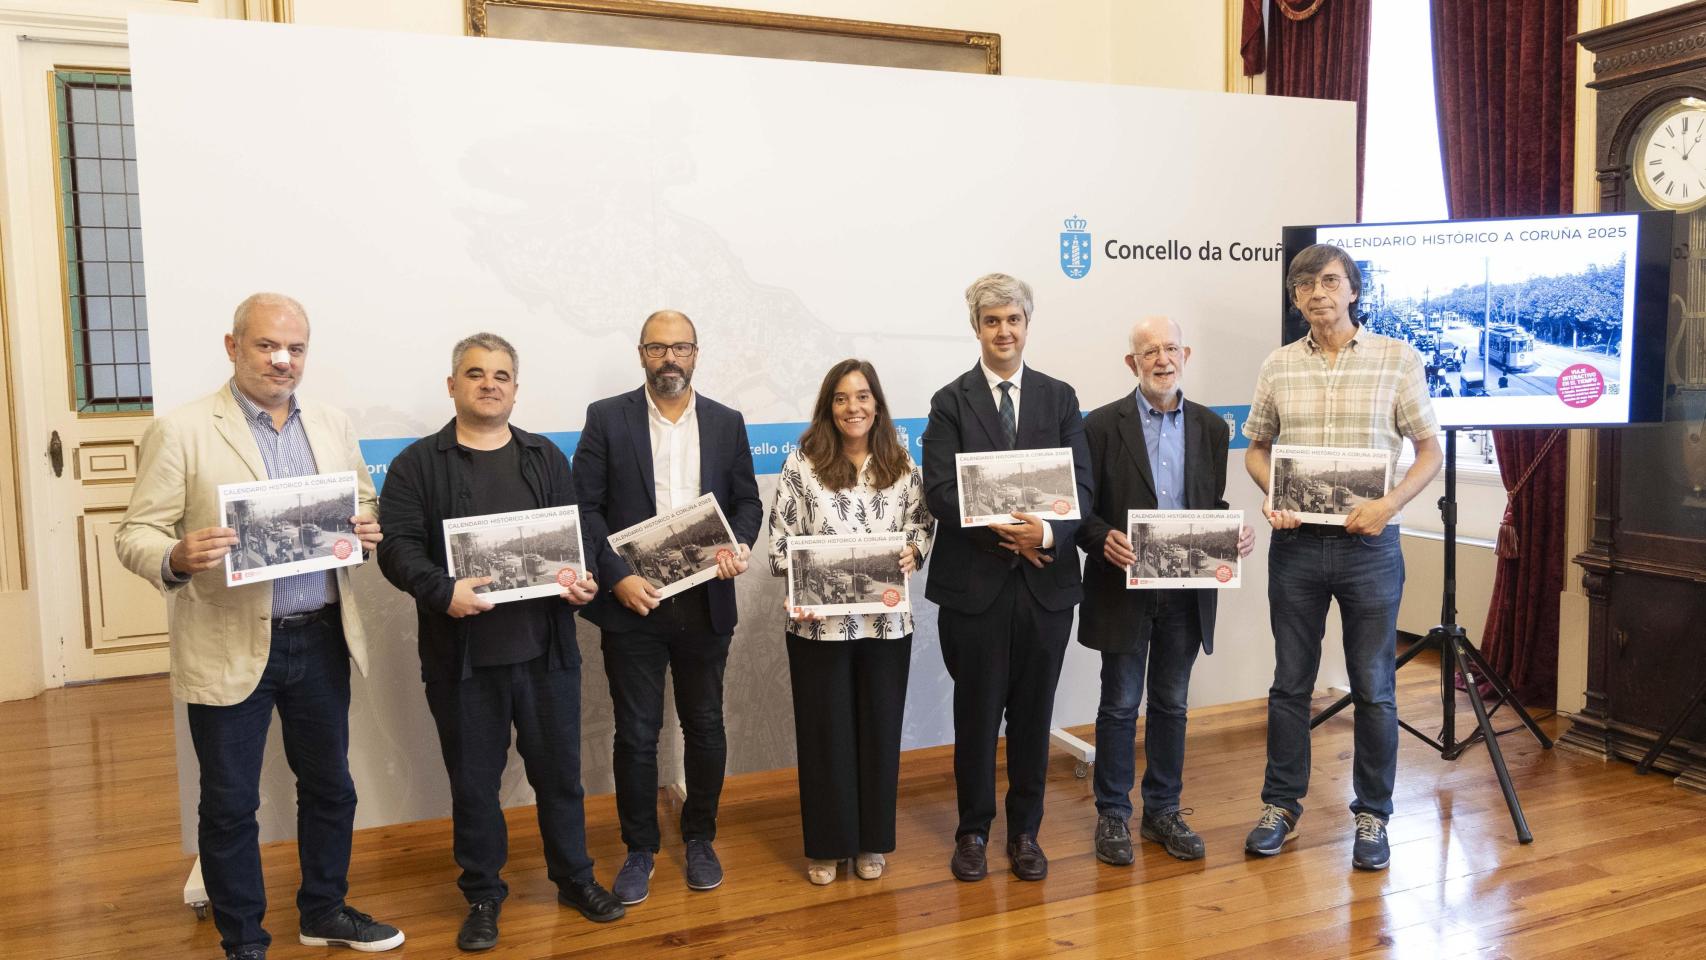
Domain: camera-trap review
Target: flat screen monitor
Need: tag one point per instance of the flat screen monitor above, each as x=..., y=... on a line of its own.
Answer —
x=1520, y=322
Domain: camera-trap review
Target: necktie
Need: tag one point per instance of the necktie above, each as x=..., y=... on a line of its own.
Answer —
x=1009, y=420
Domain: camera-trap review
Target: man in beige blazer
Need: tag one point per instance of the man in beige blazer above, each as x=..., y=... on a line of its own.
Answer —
x=240, y=652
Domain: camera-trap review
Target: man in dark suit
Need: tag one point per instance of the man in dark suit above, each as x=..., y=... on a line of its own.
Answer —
x=1151, y=450
x=642, y=454
x=1006, y=604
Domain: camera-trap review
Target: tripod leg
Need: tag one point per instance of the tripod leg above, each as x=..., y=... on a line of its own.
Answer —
x=1330, y=711
x=1504, y=690
x=1493, y=752
x=1448, y=667
x=1671, y=731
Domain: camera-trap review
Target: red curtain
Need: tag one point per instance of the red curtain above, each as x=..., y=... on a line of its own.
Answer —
x=1315, y=48
x=1505, y=77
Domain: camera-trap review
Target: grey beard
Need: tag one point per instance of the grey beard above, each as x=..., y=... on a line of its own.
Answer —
x=669, y=383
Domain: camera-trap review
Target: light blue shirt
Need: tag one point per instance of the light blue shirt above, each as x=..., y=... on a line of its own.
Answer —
x=1164, y=436
x=286, y=454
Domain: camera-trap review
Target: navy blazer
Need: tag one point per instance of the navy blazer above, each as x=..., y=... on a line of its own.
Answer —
x=967, y=567
x=615, y=488
x=1113, y=618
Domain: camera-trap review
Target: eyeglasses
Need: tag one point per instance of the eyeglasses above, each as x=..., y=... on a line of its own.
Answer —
x=681, y=350
x=1329, y=283
x=1172, y=350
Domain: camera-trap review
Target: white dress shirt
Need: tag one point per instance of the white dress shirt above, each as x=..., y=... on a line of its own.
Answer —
x=995, y=381
x=675, y=455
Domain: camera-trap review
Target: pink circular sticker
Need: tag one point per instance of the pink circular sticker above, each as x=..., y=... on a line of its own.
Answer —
x=891, y=597
x=341, y=549
x=567, y=576
x=1580, y=385
x=1223, y=573
x=1062, y=507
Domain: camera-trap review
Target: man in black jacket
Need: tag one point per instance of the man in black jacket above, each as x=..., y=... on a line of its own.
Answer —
x=1006, y=603
x=644, y=453
x=488, y=667
x=1152, y=450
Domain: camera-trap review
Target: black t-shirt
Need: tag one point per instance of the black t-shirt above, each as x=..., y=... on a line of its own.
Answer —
x=513, y=632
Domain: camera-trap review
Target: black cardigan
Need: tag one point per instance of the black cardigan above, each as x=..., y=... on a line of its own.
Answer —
x=424, y=486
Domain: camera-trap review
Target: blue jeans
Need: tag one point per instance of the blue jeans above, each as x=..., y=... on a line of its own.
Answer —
x=1169, y=654
x=307, y=679
x=1308, y=568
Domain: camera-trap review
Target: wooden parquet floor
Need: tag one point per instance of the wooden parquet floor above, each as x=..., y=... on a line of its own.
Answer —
x=90, y=863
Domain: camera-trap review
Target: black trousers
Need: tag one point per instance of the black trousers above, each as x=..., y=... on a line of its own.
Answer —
x=635, y=665
x=1005, y=662
x=848, y=700
x=474, y=717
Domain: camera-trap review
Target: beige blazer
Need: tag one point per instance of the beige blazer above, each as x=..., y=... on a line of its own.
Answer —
x=220, y=635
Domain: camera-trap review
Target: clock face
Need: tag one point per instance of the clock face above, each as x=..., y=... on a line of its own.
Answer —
x=1670, y=156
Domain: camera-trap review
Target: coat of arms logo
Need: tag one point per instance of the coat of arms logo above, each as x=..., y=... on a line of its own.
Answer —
x=1075, y=247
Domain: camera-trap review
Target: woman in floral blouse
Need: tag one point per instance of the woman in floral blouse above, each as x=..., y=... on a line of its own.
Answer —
x=850, y=475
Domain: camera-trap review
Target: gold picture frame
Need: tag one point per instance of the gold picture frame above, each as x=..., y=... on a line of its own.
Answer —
x=690, y=28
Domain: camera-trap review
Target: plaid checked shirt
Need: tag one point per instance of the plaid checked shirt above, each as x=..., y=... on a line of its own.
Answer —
x=1373, y=398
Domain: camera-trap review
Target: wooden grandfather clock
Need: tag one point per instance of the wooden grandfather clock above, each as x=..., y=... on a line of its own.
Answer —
x=1645, y=567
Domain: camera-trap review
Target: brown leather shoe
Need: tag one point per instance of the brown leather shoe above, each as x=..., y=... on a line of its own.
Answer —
x=969, y=862
x=1028, y=860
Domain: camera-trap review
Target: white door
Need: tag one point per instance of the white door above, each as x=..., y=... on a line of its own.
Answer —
x=83, y=350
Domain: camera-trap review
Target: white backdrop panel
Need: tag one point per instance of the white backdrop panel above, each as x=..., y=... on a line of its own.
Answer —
x=413, y=189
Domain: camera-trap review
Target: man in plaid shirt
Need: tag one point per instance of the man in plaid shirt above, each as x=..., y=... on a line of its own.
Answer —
x=1339, y=386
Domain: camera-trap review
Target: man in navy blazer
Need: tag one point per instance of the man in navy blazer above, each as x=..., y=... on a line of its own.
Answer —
x=642, y=454
x=1151, y=449
x=1006, y=603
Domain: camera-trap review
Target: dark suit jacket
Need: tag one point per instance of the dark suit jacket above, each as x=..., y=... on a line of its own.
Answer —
x=615, y=488
x=1114, y=619
x=967, y=567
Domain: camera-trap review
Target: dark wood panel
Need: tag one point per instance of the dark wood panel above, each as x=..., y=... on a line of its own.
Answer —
x=1655, y=653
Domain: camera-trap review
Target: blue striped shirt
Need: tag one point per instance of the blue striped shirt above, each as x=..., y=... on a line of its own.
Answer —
x=287, y=454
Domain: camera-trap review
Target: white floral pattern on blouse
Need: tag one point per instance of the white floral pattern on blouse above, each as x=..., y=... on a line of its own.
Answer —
x=804, y=508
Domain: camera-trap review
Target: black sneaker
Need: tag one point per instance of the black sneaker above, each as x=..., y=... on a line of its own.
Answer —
x=1271, y=832
x=480, y=930
x=593, y=901
x=1371, y=851
x=1174, y=834
x=1113, y=840
x=348, y=927
x=251, y=952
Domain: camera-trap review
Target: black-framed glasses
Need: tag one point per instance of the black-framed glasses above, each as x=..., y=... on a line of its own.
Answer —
x=681, y=350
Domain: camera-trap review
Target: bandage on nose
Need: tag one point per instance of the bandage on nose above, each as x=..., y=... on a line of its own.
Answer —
x=280, y=358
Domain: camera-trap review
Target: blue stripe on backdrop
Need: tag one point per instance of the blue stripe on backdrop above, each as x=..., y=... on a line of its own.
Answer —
x=771, y=442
